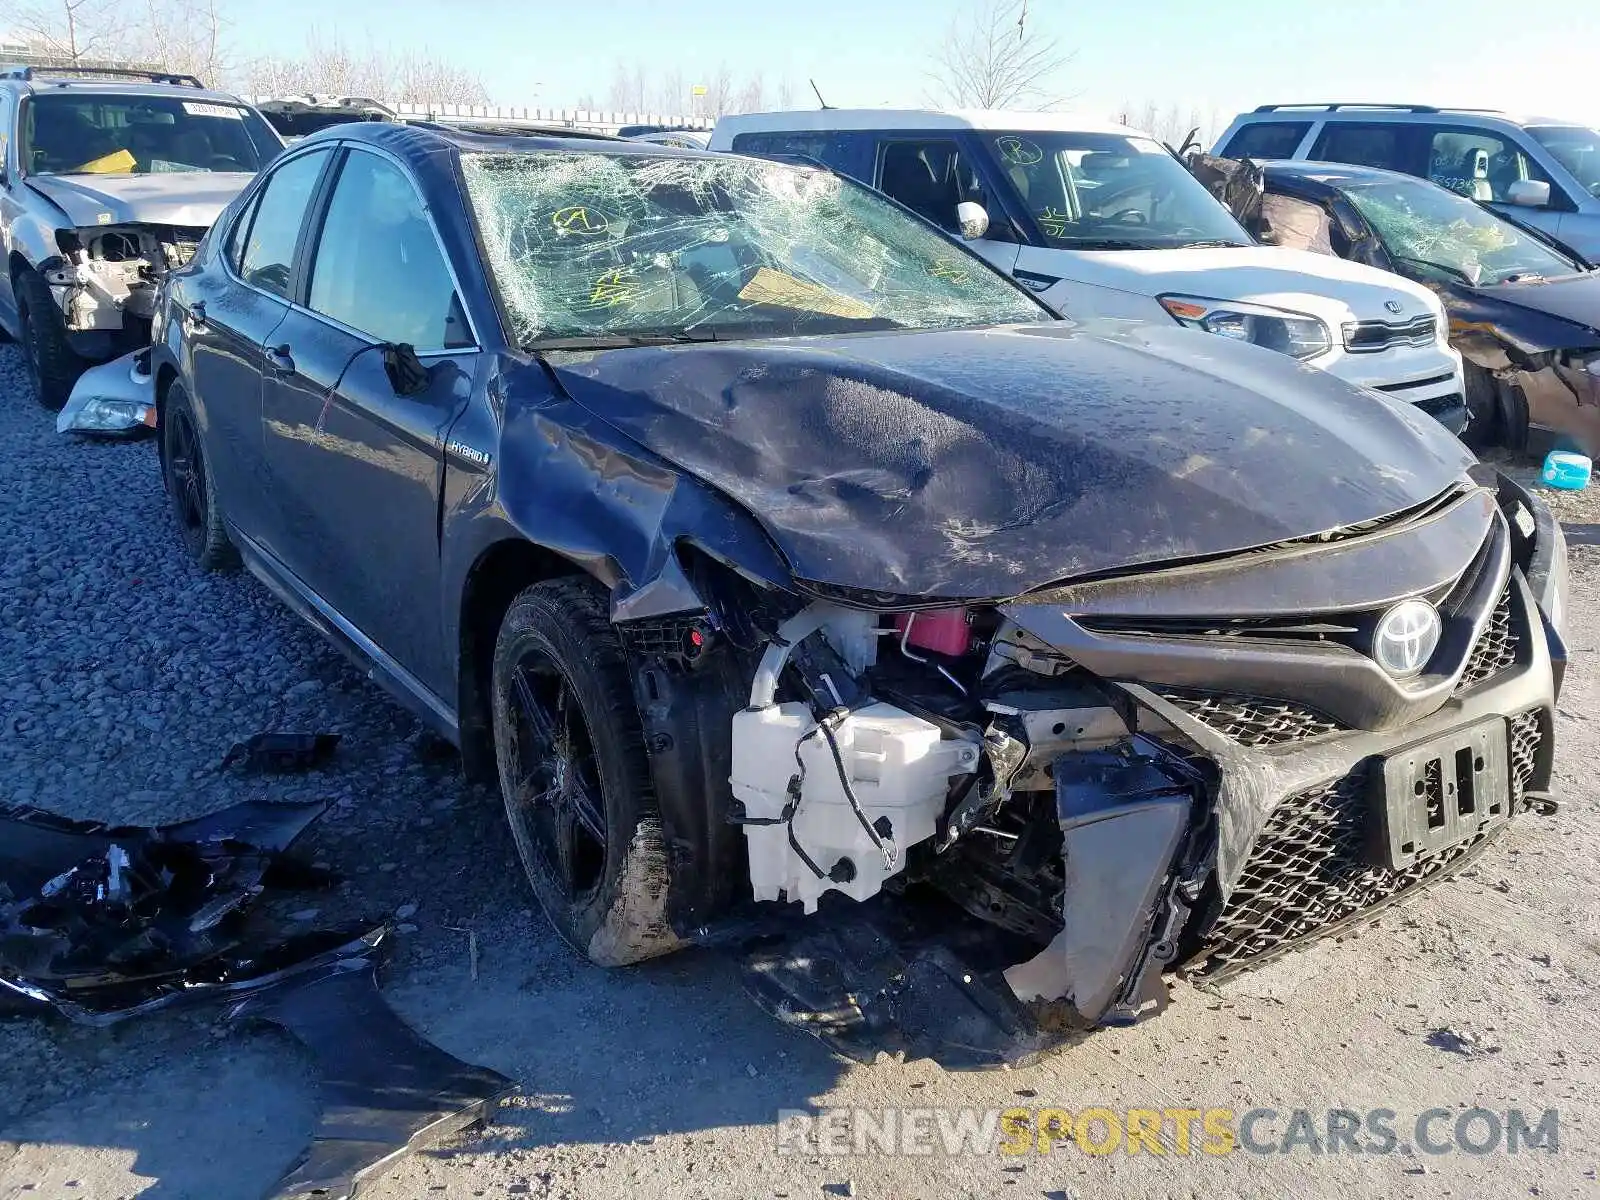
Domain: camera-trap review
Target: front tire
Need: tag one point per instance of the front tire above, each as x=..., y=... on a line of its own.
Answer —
x=1484, y=426
x=190, y=489
x=575, y=777
x=53, y=365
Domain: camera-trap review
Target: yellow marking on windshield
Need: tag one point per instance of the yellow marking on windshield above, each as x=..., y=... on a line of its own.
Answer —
x=1054, y=223
x=950, y=270
x=613, y=289
x=583, y=221
x=785, y=291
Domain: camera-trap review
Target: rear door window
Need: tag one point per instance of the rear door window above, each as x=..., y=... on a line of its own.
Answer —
x=1267, y=139
x=268, y=258
x=1386, y=145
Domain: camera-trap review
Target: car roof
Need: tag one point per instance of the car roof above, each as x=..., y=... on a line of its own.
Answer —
x=1331, y=174
x=416, y=141
x=1393, y=112
x=874, y=119
x=43, y=83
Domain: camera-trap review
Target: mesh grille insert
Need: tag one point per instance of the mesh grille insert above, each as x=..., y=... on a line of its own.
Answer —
x=1253, y=720
x=1496, y=649
x=1309, y=866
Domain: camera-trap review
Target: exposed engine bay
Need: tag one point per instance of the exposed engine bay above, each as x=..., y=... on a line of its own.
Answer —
x=972, y=831
x=110, y=273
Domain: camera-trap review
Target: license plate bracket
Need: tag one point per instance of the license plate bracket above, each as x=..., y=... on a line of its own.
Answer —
x=1440, y=793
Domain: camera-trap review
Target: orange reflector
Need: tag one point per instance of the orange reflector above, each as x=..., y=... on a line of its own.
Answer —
x=1184, y=310
x=148, y=416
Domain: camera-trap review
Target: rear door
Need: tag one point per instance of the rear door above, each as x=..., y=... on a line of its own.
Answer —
x=230, y=316
x=355, y=466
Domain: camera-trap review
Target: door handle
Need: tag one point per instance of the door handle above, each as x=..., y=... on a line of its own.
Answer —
x=279, y=360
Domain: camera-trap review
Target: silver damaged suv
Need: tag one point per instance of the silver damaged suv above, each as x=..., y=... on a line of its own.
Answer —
x=108, y=180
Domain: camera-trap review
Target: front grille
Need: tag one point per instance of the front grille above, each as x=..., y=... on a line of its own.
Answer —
x=1526, y=731
x=1371, y=337
x=1496, y=649
x=1253, y=720
x=1434, y=381
x=1309, y=869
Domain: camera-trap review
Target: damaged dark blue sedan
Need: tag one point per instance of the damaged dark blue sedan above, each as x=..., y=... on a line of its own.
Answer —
x=814, y=594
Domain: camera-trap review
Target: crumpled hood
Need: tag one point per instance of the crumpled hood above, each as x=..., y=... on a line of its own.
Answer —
x=1575, y=298
x=194, y=198
x=1293, y=279
x=984, y=463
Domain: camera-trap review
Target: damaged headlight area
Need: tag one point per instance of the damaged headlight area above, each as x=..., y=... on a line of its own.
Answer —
x=107, y=275
x=1294, y=334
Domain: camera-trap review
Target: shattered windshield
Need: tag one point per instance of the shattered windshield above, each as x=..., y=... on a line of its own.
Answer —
x=85, y=134
x=1095, y=191
x=1428, y=227
x=617, y=247
x=1575, y=148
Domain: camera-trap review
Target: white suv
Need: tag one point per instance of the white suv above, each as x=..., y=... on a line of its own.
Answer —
x=1538, y=170
x=1103, y=221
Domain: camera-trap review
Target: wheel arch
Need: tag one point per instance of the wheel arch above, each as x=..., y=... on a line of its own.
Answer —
x=497, y=575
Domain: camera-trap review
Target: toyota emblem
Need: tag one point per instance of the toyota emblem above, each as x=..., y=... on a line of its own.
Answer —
x=1406, y=637
x=1393, y=306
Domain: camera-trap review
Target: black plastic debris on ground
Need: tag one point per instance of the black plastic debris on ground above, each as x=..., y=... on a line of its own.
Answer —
x=385, y=1092
x=103, y=923
x=277, y=752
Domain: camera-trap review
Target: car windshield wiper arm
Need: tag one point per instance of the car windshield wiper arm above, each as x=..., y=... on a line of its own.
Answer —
x=619, y=341
x=1109, y=244
x=1215, y=244
x=1437, y=266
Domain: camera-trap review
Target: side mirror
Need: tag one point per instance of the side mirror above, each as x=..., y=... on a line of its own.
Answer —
x=973, y=220
x=1529, y=193
x=405, y=370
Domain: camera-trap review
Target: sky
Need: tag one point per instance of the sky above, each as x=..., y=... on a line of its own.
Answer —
x=1222, y=57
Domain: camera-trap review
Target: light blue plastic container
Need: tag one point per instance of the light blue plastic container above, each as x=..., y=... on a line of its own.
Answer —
x=1563, y=469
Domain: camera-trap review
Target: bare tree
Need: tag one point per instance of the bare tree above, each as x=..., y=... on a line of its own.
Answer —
x=992, y=58
x=785, y=93
x=71, y=30
x=187, y=36
x=329, y=65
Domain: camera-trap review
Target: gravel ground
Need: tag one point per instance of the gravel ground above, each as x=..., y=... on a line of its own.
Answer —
x=127, y=675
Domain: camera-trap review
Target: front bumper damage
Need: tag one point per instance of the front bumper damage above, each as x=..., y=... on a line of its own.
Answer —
x=1159, y=788
x=106, y=279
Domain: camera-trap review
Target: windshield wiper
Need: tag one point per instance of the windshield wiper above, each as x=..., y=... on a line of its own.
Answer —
x=1446, y=268
x=1111, y=244
x=620, y=341
x=1214, y=244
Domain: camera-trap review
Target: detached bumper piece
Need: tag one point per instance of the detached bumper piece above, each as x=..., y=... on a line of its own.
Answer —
x=385, y=1092
x=101, y=924
x=882, y=979
x=114, y=399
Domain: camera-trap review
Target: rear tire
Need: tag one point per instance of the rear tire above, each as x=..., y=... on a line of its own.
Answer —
x=575, y=777
x=53, y=365
x=186, y=472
